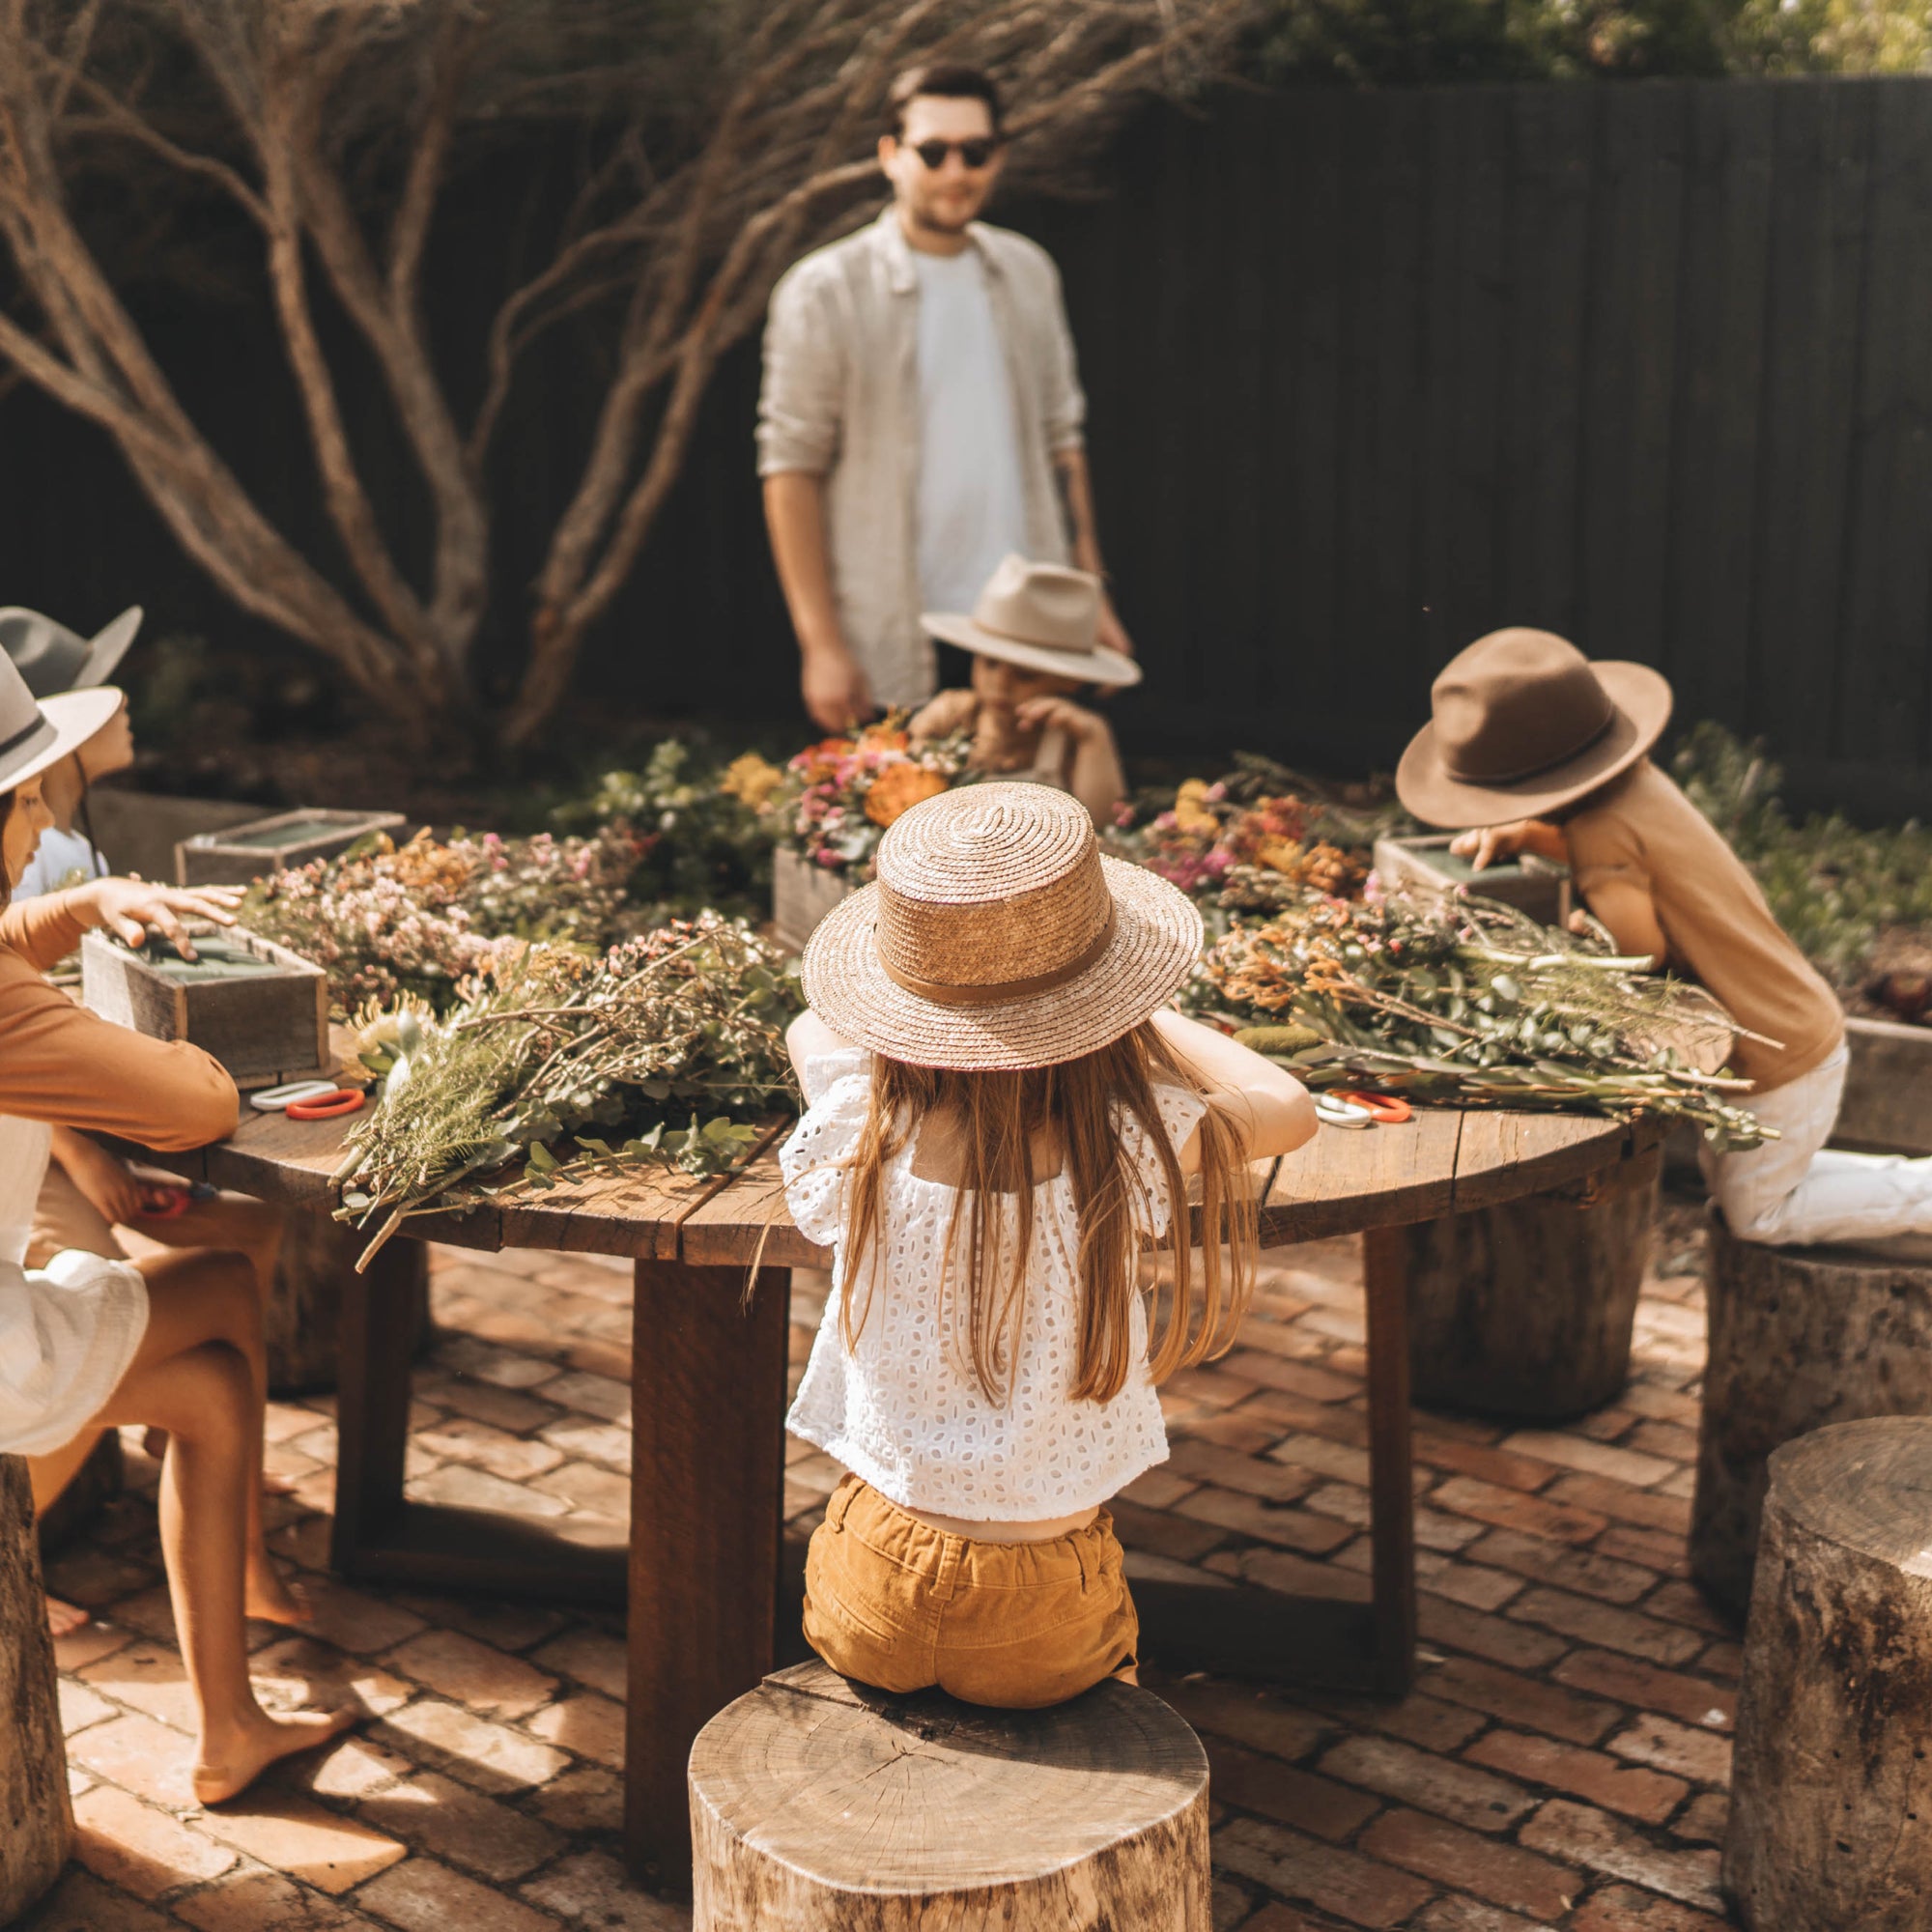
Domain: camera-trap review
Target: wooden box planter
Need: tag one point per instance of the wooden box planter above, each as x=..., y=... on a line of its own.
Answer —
x=802, y=895
x=250, y=851
x=265, y=1020
x=1887, y=1103
x=1425, y=866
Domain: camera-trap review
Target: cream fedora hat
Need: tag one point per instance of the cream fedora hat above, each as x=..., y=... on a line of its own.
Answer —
x=997, y=937
x=53, y=659
x=1043, y=615
x=36, y=735
x=1523, y=722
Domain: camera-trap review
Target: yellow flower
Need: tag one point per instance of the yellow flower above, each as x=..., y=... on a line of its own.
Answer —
x=1279, y=855
x=1190, y=813
x=898, y=789
x=749, y=778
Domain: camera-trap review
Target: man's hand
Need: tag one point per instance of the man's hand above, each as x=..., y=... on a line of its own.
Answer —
x=1060, y=713
x=837, y=691
x=1111, y=634
x=128, y=907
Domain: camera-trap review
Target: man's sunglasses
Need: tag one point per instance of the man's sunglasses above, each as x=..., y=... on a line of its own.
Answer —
x=975, y=154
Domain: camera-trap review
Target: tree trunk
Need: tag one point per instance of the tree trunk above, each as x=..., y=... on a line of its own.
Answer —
x=1527, y=1310
x=1800, y=1337
x=823, y=1807
x=1830, y=1819
x=305, y=1310
x=36, y=1817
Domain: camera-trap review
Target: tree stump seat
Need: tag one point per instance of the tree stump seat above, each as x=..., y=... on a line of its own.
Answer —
x=1830, y=1816
x=817, y=1804
x=36, y=1817
x=1798, y=1338
x=1525, y=1311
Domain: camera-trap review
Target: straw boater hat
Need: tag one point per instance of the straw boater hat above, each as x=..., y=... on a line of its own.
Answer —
x=1042, y=615
x=998, y=937
x=1523, y=723
x=36, y=735
x=53, y=659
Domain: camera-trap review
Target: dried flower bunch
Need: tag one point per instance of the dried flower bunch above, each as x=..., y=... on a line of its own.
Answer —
x=684, y=1024
x=1257, y=839
x=384, y=919
x=1466, y=1002
x=839, y=796
x=704, y=842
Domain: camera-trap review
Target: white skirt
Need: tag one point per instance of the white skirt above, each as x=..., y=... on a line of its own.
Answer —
x=68, y=1333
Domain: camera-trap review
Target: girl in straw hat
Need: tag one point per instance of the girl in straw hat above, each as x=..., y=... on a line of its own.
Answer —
x=1003, y=1114
x=88, y=1343
x=1034, y=635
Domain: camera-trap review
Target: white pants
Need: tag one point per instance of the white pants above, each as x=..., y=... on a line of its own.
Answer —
x=1795, y=1191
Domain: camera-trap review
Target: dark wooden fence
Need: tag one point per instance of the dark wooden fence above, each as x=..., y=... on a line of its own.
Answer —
x=1369, y=374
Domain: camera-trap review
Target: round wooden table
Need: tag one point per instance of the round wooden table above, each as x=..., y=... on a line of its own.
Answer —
x=702, y=1569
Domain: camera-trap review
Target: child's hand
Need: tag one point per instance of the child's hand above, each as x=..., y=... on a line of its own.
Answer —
x=128, y=907
x=113, y=1188
x=1060, y=713
x=1491, y=843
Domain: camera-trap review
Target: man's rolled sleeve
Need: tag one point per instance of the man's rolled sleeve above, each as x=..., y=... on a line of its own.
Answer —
x=800, y=404
x=1065, y=415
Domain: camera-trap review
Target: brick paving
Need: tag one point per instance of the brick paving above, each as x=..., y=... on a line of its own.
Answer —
x=1562, y=1760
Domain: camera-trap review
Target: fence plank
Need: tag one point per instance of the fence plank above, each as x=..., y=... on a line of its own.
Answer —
x=1884, y=688
x=1719, y=394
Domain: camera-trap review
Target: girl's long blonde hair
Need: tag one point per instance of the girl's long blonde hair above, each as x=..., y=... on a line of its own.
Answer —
x=1075, y=1108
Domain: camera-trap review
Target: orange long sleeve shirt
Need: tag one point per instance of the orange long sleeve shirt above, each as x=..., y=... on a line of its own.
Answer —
x=61, y=1064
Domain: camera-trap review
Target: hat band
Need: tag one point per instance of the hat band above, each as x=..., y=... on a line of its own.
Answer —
x=1542, y=765
x=1000, y=992
x=36, y=723
x=1035, y=643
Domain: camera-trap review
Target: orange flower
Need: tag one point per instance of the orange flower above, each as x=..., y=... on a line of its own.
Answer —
x=898, y=789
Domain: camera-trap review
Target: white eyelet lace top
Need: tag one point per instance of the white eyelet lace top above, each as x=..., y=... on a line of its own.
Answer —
x=904, y=1409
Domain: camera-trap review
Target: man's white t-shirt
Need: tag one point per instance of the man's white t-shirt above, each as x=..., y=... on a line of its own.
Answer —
x=971, y=499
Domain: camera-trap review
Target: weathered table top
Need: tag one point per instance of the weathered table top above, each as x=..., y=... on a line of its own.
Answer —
x=1342, y=1181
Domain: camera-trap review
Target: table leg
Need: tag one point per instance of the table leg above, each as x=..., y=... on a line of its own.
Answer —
x=707, y=1493
x=381, y=1323
x=1391, y=1457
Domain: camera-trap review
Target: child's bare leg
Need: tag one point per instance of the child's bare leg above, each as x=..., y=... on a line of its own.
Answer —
x=196, y=1296
x=203, y=1397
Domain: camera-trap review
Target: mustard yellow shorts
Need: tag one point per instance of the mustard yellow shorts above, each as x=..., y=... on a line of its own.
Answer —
x=901, y=1605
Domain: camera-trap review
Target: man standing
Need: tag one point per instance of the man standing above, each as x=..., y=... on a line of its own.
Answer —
x=922, y=414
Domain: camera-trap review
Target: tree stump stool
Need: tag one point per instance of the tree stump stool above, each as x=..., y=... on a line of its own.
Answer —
x=1525, y=1311
x=95, y=1483
x=1830, y=1819
x=305, y=1316
x=817, y=1804
x=36, y=1817
x=1798, y=1338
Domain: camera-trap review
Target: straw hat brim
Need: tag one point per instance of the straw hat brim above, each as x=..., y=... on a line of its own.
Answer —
x=67, y=721
x=1097, y=666
x=1154, y=945
x=1642, y=701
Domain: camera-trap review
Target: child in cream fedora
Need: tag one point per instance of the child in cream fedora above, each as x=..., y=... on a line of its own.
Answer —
x=1539, y=749
x=1033, y=633
x=1004, y=1112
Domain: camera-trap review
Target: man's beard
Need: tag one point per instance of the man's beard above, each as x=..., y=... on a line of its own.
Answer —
x=930, y=218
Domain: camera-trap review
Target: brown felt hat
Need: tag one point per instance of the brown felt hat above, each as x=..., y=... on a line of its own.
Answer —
x=998, y=936
x=1521, y=723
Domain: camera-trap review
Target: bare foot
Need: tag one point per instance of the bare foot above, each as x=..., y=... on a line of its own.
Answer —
x=224, y=1771
x=272, y=1601
x=64, y=1619
x=273, y=1485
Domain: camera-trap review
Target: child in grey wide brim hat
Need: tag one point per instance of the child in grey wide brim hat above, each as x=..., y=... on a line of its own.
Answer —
x=1035, y=637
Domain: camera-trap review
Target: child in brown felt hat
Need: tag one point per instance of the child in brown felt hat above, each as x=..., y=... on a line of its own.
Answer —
x=1035, y=637
x=1543, y=751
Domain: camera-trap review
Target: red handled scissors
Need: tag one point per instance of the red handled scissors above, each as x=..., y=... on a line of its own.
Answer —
x=1383, y=1107
x=327, y=1106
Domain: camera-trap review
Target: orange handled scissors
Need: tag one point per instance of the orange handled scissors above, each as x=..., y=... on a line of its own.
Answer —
x=1383, y=1107
x=327, y=1106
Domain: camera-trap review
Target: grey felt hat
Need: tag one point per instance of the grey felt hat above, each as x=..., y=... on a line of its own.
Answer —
x=53, y=659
